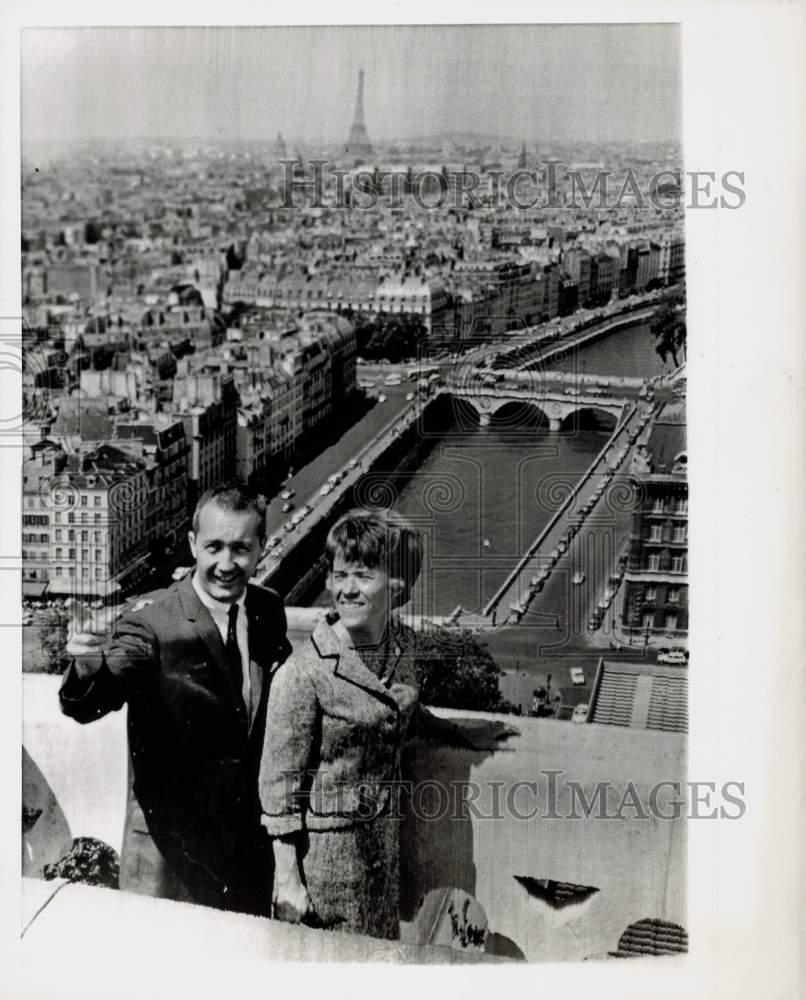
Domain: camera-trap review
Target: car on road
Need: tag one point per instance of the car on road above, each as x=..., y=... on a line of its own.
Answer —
x=288, y=526
x=352, y=463
x=287, y=494
x=577, y=675
x=409, y=397
x=287, y=506
x=673, y=657
x=580, y=713
x=273, y=542
x=324, y=490
x=381, y=398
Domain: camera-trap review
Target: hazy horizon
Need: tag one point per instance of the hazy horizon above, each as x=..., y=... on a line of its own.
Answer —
x=567, y=83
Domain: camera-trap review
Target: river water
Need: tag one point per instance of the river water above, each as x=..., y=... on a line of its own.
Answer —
x=629, y=352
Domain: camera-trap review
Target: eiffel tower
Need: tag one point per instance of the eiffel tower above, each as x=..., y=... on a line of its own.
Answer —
x=358, y=143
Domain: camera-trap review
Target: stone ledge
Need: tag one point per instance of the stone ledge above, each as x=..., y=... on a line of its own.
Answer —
x=64, y=917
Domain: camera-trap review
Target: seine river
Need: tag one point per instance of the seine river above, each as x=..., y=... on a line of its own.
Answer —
x=501, y=484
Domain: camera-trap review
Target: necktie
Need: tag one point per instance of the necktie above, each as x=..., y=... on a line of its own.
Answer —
x=233, y=650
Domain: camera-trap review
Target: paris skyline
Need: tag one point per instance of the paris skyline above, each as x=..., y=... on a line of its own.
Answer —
x=584, y=82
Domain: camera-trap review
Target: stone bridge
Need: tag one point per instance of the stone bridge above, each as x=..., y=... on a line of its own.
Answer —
x=556, y=404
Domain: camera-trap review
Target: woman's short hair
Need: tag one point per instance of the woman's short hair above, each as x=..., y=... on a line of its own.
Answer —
x=377, y=538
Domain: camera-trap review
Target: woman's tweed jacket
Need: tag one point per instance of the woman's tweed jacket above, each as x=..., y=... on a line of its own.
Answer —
x=334, y=737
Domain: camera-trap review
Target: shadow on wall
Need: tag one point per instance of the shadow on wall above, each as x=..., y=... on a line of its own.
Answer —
x=436, y=836
x=46, y=835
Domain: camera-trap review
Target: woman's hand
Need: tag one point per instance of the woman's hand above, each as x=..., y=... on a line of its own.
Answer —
x=291, y=902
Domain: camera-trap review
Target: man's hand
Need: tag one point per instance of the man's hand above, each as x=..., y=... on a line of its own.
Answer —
x=87, y=635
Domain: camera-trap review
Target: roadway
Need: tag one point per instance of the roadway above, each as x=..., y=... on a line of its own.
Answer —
x=361, y=443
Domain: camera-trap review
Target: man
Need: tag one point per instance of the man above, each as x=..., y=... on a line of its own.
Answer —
x=193, y=666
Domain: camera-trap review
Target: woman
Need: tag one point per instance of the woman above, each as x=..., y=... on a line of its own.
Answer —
x=340, y=710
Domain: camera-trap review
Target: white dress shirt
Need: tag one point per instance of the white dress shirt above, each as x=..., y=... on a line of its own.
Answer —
x=220, y=614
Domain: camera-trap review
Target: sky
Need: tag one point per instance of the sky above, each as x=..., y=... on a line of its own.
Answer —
x=569, y=82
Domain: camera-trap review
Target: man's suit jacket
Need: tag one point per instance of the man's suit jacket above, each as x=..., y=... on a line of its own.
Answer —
x=193, y=816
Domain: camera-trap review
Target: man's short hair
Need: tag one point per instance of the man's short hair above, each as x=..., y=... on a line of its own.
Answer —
x=377, y=538
x=234, y=495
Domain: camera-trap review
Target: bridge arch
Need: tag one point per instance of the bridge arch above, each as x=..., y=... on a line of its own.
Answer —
x=504, y=411
x=590, y=416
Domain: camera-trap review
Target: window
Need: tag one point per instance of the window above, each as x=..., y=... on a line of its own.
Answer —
x=84, y=572
x=650, y=594
x=58, y=536
x=97, y=555
x=654, y=561
x=671, y=622
x=71, y=518
x=58, y=552
x=655, y=533
x=71, y=553
x=83, y=499
x=682, y=506
x=57, y=518
x=680, y=533
x=96, y=501
x=677, y=564
x=71, y=571
x=97, y=574
x=71, y=535
x=648, y=621
x=657, y=507
x=84, y=535
x=673, y=595
x=96, y=536
x=84, y=554
x=58, y=571
x=97, y=519
x=84, y=518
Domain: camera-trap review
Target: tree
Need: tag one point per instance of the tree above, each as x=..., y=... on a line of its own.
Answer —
x=391, y=337
x=669, y=330
x=54, y=647
x=456, y=670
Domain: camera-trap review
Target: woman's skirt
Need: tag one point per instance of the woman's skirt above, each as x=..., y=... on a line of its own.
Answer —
x=353, y=877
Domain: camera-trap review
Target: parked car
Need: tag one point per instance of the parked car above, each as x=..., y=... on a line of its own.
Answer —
x=577, y=675
x=273, y=542
x=287, y=506
x=286, y=494
x=324, y=490
x=674, y=657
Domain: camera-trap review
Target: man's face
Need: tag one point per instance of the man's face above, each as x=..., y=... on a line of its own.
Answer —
x=226, y=549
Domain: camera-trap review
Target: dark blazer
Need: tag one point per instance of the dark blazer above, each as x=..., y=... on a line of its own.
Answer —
x=193, y=815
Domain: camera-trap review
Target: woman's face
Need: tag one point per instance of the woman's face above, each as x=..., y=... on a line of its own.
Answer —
x=362, y=595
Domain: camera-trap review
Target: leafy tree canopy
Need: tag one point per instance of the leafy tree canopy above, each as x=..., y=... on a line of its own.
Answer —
x=456, y=670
